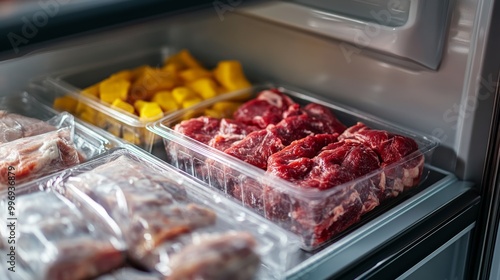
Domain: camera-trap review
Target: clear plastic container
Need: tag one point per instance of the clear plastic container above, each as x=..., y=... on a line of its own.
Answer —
x=303, y=212
x=272, y=243
x=89, y=143
x=118, y=122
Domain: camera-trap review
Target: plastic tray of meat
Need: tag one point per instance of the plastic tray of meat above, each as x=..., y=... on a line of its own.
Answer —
x=314, y=168
x=162, y=78
x=172, y=227
x=35, y=140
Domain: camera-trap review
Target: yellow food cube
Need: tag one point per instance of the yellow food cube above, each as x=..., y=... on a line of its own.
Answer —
x=131, y=137
x=114, y=89
x=139, y=71
x=120, y=104
x=191, y=102
x=150, y=111
x=226, y=108
x=88, y=116
x=182, y=93
x=122, y=75
x=92, y=90
x=139, y=104
x=185, y=59
x=173, y=67
x=192, y=74
x=213, y=113
x=205, y=87
x=166, y=101
x=230, y=74
x=152, y=81
x=65, y=103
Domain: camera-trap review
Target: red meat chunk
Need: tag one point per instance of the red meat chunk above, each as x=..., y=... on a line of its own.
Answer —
x=258, y=146
x=390, y=147
x=268, y=108
x=230, y=131
x=202, y=129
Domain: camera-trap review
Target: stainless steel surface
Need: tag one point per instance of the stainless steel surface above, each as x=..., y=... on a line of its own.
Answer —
x=418, y=37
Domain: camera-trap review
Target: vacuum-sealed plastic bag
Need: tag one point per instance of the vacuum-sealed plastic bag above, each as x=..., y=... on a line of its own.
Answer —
x=61, y=240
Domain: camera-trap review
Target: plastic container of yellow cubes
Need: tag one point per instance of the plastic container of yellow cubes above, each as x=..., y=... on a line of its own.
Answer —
x=123, y=95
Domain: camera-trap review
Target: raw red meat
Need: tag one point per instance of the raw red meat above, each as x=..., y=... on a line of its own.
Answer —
x=227, y=256
x=391, y=148
x=230, y=131
x=268, y=108
x=13, y=127
x=320, y=162
x=37, y=156
x=258, y=146
x=202, y=129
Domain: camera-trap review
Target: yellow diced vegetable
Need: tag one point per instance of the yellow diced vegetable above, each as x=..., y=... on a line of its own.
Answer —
x=120, y=104
x=166, y=101
x=131, y=137
x=88, y=116
x=205, y=87
x=122, y=75
x=92, y=90
x=114, y=89
x=184, y=59
x=150, y=111
x=192, y=74
x=150, y=82
x=230, y=74
x=173, y=67
x=65, y=103
x=191, y=102
x=182, y=93
x=139, y=71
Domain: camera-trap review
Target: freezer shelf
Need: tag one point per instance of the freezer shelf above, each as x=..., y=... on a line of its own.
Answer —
x=442, y=198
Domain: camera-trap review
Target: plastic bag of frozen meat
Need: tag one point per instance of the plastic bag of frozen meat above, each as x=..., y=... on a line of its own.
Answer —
x=165, y=229
x=58, y=239
x=35, y=148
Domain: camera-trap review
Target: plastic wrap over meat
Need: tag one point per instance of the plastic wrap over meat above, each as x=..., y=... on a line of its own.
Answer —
x=60, y=240
x=36, y=156
x=14, y=126
x=154, y=216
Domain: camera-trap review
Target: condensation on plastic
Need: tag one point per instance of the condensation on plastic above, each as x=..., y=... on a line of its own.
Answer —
x=56, y=238
x=225, y=173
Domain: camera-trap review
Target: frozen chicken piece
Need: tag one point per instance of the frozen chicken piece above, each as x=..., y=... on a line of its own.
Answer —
x=226, y=256
x=14, y=126
x=58, y=240
x=33, y=157
x=147, y=206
